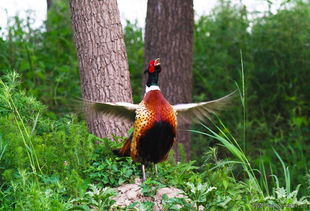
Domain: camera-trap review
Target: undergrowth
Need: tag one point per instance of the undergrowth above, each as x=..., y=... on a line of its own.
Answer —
x=51, y=164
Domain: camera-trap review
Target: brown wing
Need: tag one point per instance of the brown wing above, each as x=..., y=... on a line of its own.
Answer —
x=198, y=112
x=119, y=109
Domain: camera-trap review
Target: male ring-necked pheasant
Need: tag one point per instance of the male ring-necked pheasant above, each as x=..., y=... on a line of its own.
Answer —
x=155, y=120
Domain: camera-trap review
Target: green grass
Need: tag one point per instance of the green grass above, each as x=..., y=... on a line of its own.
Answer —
x=9, y=103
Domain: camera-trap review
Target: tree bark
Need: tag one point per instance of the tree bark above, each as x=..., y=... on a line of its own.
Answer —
x=52, y=3
x=169, y=35
x=102, y=60
x=49, y=4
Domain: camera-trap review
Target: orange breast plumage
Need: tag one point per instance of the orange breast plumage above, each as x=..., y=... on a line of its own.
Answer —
x=154, y=129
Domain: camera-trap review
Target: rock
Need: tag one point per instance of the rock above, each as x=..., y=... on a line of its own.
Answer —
x=130, y=193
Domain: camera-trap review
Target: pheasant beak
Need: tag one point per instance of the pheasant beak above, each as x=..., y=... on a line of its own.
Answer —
x=157, y=62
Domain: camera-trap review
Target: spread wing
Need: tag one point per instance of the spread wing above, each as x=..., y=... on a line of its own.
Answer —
x=119, y=109
x=198, y=112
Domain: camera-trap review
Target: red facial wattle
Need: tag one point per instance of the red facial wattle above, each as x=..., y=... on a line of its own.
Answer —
x=151, y=66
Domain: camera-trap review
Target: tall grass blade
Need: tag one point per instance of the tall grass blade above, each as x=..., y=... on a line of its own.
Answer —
x=263, y=177
x=236, y=151
x=286, y=171
x=243, y=98
x=7, y=89
x=2, y=148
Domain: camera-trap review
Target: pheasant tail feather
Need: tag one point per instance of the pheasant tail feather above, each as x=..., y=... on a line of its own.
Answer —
x=125, y=150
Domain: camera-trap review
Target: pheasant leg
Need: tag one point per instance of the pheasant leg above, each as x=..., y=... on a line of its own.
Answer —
x=143, y=173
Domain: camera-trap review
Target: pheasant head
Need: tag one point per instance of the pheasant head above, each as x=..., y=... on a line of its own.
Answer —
x=153, y=71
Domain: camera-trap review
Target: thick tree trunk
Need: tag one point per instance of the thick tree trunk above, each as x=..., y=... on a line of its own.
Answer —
x=169, y=35
x=102, y=60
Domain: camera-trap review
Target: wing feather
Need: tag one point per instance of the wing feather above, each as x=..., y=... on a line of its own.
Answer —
x=120, y=109
x=198, y=112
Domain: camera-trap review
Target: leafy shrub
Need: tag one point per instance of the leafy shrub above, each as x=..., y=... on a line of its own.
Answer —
x=282, y=199
x=113, y=171
x=150, y=187
x=27, y=193
x=218, y=40
x=34, y=141
x=95, y=198
x=275, y=56
x=280, y=57
x=198, y=194
x=176, y=203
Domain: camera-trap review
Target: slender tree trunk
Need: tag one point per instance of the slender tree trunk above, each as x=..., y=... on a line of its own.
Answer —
x=52, y=3
x=49, y=4
x=169, y=35
x=102, y=60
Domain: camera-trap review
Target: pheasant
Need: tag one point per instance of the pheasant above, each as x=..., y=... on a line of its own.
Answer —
x=155, y=120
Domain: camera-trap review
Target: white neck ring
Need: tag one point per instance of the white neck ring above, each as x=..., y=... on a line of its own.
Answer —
x=151, y=88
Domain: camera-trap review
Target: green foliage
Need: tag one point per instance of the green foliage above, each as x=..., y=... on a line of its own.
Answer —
x=143, y=206
x=135, y=51
x=150, y=187
x=175, y=174
x=218, y=39
x=95, y=198
x=273, y=80
x=44, y=57
x=175, y=204
x=280, y=58
x=26, y=192
x=34, y=142
x=198, y=194
x=283, y=199
x=113, y=171
x=280, y=63
x=51, y=152
x=81, y=177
